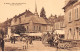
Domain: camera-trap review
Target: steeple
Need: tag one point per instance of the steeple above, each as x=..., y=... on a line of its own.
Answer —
x=35, y=7
x=36, y=13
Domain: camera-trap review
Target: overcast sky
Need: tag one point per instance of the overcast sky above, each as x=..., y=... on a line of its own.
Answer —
x=51, y=7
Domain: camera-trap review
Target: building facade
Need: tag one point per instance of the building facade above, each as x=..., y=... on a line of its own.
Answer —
x=72, y=19
x=31, y=21
x=51, y=20
x=59, y=23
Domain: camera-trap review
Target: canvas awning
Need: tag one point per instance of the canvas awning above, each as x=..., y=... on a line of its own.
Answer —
x=16, y=35
x=35, y=34
x=59, y=32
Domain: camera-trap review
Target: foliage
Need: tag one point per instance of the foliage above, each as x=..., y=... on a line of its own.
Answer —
x=18, y=29
x=42, y=14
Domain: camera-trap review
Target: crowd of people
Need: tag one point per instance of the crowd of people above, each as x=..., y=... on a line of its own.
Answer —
x=51, y=38
x=12, y=40
x=25, y=41
x=28, y=40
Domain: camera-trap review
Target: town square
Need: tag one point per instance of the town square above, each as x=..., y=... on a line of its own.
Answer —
x=40, y=25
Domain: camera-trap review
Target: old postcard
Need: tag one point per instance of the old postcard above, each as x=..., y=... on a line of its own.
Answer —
x=39, y=25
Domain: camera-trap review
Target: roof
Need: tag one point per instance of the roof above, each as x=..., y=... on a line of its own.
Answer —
x=70, y=3
x=37, y=19
x=60, y=18
x=33, y=18
x=26, y=13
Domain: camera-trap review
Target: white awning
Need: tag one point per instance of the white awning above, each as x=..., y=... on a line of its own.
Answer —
x=35, y=34
x=59, y=32
x=16, y=35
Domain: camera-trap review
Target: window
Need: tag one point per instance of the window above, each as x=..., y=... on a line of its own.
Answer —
x=61, y=36
x=76, y=13
x=46, y=28
x=34, y=27
x=20, y=20
x=39, y=28
x=15, y=19
x=79, y=33
x=74, y=31
x=70, y=31
x=79, y=29
x=69, y=16
x=27, y=27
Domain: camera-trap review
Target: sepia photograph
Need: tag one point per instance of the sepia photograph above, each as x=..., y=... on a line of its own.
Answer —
x=39, y=25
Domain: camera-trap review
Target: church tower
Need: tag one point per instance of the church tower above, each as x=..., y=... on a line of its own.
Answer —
x=36, y=13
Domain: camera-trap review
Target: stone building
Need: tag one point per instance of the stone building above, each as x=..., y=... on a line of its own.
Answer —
x=51, y=20
x=59, y=26
x=72, y=19
x=59, y=23
x=31, y=21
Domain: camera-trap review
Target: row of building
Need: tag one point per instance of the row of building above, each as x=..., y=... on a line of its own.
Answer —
x=34, y=23
x=70, y=22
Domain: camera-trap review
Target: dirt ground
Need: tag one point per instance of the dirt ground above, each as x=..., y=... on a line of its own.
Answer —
x=36, y=46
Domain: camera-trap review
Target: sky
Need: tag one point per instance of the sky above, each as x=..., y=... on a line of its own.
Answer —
x=8, y=10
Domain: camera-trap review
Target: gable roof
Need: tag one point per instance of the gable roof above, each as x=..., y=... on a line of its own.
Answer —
x=33, y=18
x=39, y=20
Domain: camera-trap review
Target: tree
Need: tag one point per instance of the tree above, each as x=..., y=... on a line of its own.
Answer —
x=19, y=29
x=42, y=14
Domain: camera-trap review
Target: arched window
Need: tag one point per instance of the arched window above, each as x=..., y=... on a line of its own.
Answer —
x=70, y=31
x=77, y=28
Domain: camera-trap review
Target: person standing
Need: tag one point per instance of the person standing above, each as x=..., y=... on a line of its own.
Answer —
x=14, y=39
x=2, y=45
x=24, y=43
x=2, y=40
x=11, y=40
x=30, y=40
x=27, y=40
